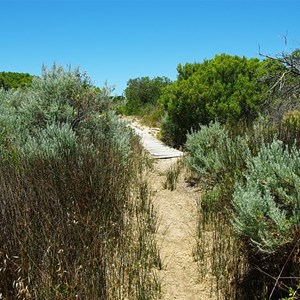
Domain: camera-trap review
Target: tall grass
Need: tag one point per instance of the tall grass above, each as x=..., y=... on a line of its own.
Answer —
x=219, y=252
x=172, y=175
x=76, y=217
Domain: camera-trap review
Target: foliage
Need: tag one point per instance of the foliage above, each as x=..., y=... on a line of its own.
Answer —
x=51, y=142
x=142, y=95
x=256, y=182
x=76, y=218
x=256, y=176
x=14, y=80
x=225, y=88
x=216, y=158
x=204, y=149
x=268, y=206
x=293, y=293
x=59, y=99
x=292, y=120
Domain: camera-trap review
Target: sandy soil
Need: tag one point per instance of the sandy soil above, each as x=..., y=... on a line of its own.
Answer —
x=176, y=237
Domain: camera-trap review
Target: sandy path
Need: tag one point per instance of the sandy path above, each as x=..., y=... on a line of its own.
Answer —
x=176, y=234
x=176, y=237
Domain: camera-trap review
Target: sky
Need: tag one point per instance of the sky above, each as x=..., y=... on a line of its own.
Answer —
x=117, y=40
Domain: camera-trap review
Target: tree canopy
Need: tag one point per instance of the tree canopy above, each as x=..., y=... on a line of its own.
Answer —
x=14, y=80
x=225, y=88
x=143, y=91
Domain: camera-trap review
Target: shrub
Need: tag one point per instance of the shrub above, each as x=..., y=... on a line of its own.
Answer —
x=267, y=206
x=258, y=180
x=223, y=88
x=142, y=94
x=214, y=155
x=14, y=80
x=203, y=147
x=292, y=119
x=290, y=127
x=75, y=213
x=52, y=142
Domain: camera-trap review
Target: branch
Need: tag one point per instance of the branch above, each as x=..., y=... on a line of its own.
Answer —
x=276, y=282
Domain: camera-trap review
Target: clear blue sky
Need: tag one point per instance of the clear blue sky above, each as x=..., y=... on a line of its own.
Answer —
x=114, y=40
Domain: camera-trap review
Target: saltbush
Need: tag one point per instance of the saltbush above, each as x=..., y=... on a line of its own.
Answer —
x=214, y=154
x=267, y=205
x=73, y=203
x=250, y=183
x=204, y=149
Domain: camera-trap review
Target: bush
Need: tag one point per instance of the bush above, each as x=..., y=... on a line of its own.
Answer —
x=225, y=88
x=142, y=95
x=75, y=213
x=214, y=155
x=14, y=80
x=250, y=201
x=204, y=148
x=267, y=206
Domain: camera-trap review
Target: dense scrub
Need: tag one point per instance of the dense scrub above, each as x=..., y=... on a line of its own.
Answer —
x=14, y=80
x=76, y=218
x=230, y=89
x=225, y=88
x=249, y=213
x=251, y=188
x=141, y=98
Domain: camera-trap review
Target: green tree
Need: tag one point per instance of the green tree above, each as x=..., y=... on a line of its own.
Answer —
x=225, y=88
x=13, y=80
x=143, y=92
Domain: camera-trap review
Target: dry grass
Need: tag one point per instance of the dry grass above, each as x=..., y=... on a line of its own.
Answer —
x=219, y=252
x=78, y=228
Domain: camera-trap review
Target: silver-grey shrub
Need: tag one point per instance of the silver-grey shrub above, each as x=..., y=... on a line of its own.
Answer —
x=53, y=141
x=203, y=146
x=72, y=195
x=63, y=97
x=46, y=118
x=212, y=152
x=267, y=204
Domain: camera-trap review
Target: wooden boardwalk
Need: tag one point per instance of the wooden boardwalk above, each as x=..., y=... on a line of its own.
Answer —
x=155, y=147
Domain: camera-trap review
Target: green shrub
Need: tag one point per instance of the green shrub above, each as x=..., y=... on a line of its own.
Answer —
x=14, y=80
x=76, y=218
x=267, y=206
x=142, y=94
x=214, y=154
x=224, y=88
x=169, y=130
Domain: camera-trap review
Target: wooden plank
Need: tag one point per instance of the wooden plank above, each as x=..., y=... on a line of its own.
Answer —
x=155, y=147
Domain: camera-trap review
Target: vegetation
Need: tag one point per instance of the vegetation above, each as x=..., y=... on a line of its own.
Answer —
x=267, y=207
x=242, y=119
x=172, y=175
x=224, y=88
x=76, y=218
x=14, y=80
x=250, y=200
x=142, y=96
